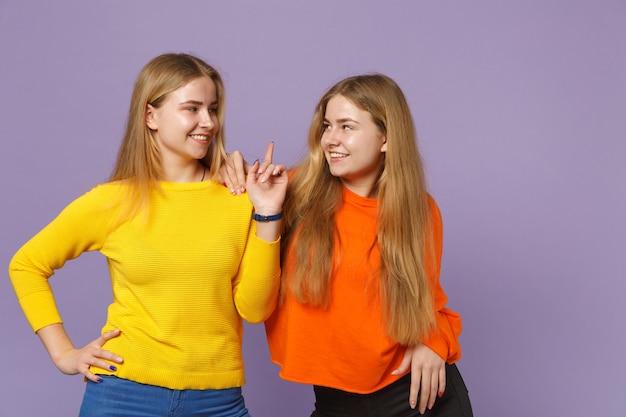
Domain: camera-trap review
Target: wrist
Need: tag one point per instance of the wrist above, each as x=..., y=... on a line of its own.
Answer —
x=267, y=217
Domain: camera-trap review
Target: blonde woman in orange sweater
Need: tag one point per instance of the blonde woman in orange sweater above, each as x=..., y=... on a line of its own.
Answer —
x=362, y=315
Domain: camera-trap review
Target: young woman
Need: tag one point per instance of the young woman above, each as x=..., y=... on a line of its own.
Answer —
x=362, y=315
x=187, y=261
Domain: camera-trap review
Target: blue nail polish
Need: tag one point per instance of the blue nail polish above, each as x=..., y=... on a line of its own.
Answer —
x=100, y=380
x=113, y=368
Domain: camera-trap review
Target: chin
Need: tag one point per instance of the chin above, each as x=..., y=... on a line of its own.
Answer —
x=334, y=173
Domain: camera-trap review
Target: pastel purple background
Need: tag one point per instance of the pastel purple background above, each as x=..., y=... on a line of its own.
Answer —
x=521, y=112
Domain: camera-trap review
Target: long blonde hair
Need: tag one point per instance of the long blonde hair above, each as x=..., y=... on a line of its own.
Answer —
x=138, y=158
x=404, y=234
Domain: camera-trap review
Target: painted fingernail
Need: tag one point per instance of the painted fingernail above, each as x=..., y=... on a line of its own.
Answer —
x=113, y=368
x=99, y=380
x=440, y=393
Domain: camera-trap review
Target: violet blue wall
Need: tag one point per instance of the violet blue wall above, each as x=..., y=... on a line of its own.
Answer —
x=521, y=112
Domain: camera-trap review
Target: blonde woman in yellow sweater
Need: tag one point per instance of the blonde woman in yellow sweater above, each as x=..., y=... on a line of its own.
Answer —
x=187, y=260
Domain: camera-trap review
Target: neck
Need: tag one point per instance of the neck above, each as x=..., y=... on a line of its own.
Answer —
x=364, y=190
x=195, y=172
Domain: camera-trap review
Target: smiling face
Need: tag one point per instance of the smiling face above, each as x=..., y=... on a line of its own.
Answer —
x=354, y=146
x=185, y=123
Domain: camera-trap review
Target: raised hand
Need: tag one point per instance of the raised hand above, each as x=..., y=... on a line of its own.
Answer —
x=267, y=185
x=233, y=173
x=268, y=168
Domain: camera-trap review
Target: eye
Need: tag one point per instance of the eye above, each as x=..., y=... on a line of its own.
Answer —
x=212, y=111
x=346, y=127
x=325, y=126
x=193, y=109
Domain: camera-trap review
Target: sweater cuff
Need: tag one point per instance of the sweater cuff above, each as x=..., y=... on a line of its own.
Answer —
x=40, y=309
x=438, y=344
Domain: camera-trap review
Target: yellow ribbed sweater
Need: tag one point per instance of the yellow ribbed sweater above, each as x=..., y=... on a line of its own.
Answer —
x=183, y=275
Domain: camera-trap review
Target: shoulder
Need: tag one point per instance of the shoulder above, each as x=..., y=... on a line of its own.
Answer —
x=107, y=191
x=435, y=220
x=433, y=206
x=100, y=196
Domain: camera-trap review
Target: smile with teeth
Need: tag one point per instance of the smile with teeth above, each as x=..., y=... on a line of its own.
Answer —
x=337, y=155
x=200, y=138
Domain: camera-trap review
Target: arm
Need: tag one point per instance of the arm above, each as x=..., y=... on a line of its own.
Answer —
x=256, y=287
x=267, y=193
x=444, y=340
x=427, y=360
x=78, y=228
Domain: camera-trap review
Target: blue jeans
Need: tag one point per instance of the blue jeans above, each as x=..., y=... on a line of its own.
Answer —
x=117, y=397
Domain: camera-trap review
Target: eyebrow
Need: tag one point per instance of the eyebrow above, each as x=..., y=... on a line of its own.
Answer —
x=197, y=103
x=344, y=120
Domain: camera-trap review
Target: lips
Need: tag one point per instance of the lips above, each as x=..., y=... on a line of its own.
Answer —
x=337, y=155
x=200, y=138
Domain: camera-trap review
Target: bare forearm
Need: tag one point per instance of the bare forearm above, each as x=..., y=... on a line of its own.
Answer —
x=55, y=340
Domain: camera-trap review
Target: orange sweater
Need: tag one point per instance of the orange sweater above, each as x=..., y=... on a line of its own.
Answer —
x=345, y=346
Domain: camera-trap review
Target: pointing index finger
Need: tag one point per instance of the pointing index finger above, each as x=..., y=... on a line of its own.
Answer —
x=267, y=159
x=269, y=152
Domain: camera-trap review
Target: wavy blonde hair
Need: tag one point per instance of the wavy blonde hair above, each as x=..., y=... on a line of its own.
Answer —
x=138, y=158
x=404, y=234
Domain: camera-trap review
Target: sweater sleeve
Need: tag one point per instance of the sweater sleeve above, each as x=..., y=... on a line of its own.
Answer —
x=78, y=228
x=444, y=339
x=255, y=288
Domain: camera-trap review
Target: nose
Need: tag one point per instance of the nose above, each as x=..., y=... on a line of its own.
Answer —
x=208, y=119
x=329, y=138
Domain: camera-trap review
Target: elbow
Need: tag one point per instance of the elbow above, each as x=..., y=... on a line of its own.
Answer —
x=258, y=315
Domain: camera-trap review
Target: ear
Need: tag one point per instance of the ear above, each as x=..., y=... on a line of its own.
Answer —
x=150, y=117
x=384, y=147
